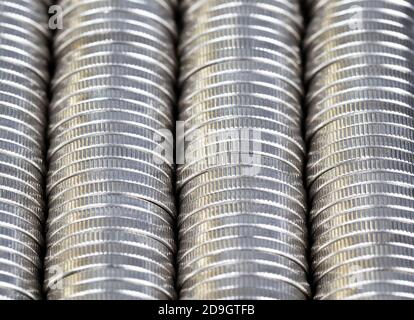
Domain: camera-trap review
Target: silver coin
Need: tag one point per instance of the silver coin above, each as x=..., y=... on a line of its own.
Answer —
x=111, y=203
x=23, y=81
x=240, y=287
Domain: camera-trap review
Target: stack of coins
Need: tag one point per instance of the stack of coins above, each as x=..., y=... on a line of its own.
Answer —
x=24, y=55
x=111, y=205
x=241, y=225
x=361, y=132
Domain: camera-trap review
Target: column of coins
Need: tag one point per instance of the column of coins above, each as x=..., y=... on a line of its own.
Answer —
x=241, y=225
x=24, y=55
x=111, y=205
x=361, y=162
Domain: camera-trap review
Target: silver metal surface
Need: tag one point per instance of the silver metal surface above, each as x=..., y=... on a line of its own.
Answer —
x=241, y=223
x=24, y=58
x=112, y=225
x=111, y=206
x=360, y=130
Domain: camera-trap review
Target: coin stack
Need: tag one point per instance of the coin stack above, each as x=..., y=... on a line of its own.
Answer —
x=361, y=133
x=24, y=55
x=242, y=205
x=111, y=206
